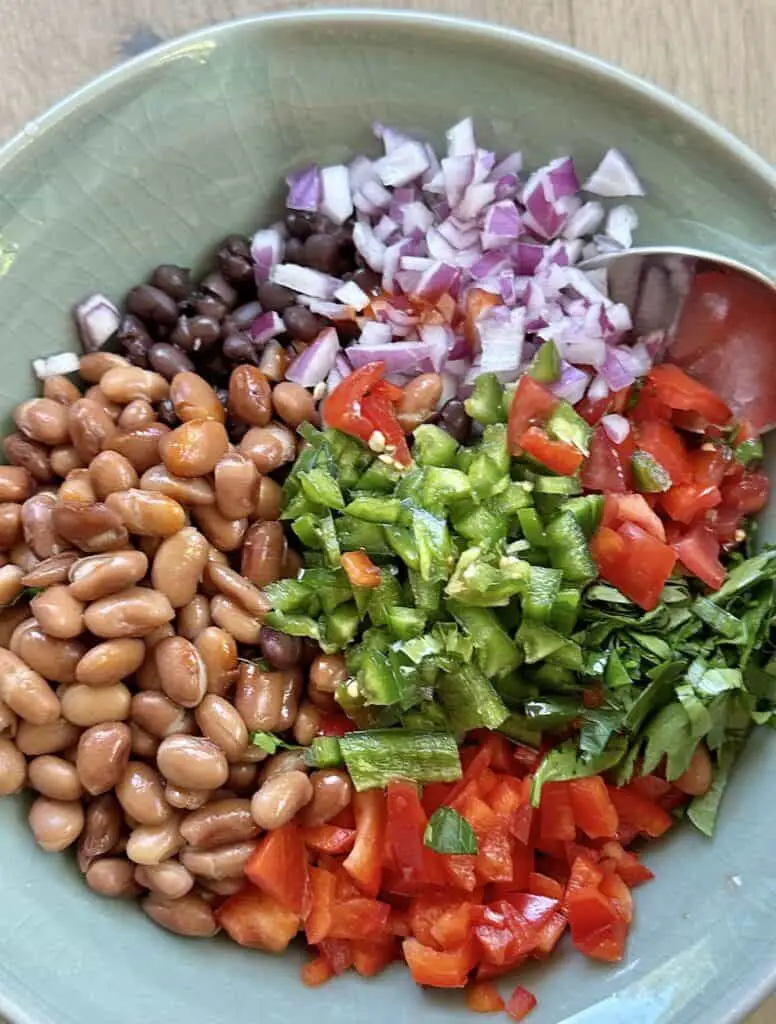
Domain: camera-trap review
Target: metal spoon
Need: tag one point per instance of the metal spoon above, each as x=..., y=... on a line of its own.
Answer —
x=657, y=283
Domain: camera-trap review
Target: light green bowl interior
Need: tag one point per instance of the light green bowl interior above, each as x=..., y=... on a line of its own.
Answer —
x=154, y=164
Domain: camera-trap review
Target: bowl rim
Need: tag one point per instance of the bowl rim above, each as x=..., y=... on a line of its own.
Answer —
x=133, y=69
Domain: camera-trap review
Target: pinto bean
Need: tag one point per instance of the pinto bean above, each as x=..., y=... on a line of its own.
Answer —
x=132, y=613
x=218, y=650
x=280, y=799
x=60, y=389
x=224, y=534
x=250, y=396
x=50, y=571
x=182, y=671
x=143, y=743
x=269, y=447
x=26, y=692
x=193, y=617
x=185, y=799
x=13, y=768
x=29, y=455
x=237, y=481
x=123, y=384
x=94, y=365
x=16, y=484
x=97, y=395
x=194, y=448
x=111, y=472
x=222, y=862
x=91, y=526
x=9, y=720
x=103, y=575
x=186, y=490
x=38, y=525
x=10, y=521
x=263, y=553
x=267, y=701
x=169, y=879
x=699, y=775
x=11, y=585
x=64, y=459
x=226, y=613
x=147, y=513
x=140, y=792
x=332, y=792
x=103, y=755
x=112, y=876
x=52, y=738
x=55, y=778
x=178, y=566
x=42, y=420
x=269, y=499
x=59, y=613
x=110, y=662
x=285, y=761
x=102, y=829
x=194, y=399
x=91, y=705
x=56, y=824
x=219, y=822
x=77, y=489
x=90, y=428
x=137, y=414
x=152, y=844
x=237, y=588
x=294, y=404
x=140, y=446
x=190, y=915
x=157, y=714
x=193, y=762
x=221, y=722
x=308, y=721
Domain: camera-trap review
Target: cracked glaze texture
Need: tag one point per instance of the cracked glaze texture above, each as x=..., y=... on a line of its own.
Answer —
x=153, y=164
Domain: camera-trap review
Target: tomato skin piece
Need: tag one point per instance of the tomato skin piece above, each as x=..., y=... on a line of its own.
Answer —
x=560, y=457
x=257, y=920
x=531, y=405
x=688, y=501
x=360, y=569
x=483, y=997
x=680, y=391
x=643, y=814
x=634, y=562
x=342, y=408
x=664, y=444
x=698, y=551
x=364, y=863
x=439, y=969
x=605, y=469
x=520, y=1003
x=594, y=812
x=278, y=866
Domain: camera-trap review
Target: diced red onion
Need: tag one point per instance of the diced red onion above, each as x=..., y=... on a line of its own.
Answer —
x=306, y=280
x=614, y=177
x=483, y=165
x=616, y=426
x=368, y=246
x=390, y=137
x=501, y=334
x=563, y=177
x=435, y=281
x=585, y=220
x=268, y=325
x=407, y=280
x=96, y=318
x=460, y=138
x=501, y=225
x=621, y=222
x=52, y=366
x=458, y=237
x=457, y=174
x=375, y=333
x=489, y=263
x=584, y=351
x=360, y=170
x=304, y=189
x=403, y=164
x=476, y=197
x=511, y=164
x=439, y=247
x=416, y=216
x=434, y=166
x=527, y=256
x=385, y=229
x=267, y=249
x=317, y=361
x=572, y=383
x=449, y=388
x=598, y=389
x=398, y=356
x=439, y=339
x=507, y=186
x=617, y=370
x=351, y=295
x=331, y=310
x=336, y=202
x=376, y=194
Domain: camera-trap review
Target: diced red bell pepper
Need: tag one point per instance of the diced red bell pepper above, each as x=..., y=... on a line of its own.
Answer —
x=594, y=812
x=618, y=892
x=584, y=875
x=550, y=934
x=440, y=969
x=278, y=867
x=558, y=456
x=483, y=997
x=520, y=1003
x=644, y=815
x=460, y=869
x=543, y=885
x=364, y=863
x=370, y=958
x=632, y=871
x=323, y=894
x=665, y=445
x=405, y=828
x=360, y=569
x=531, y=406
x=597, y=930
x=442, y=921
x=257, y=920
x=556, y=817
x=329, y=839
x=359, y=919
x=316, y=972
x=338, y=954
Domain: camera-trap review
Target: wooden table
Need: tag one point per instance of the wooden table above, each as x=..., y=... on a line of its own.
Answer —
x=716, y=54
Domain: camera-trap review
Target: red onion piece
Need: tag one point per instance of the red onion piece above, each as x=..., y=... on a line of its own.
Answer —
x=621, y=222
x=614, y=177
x=268, y=325
x=304, y=189
x=351, y=295
x=403, y=164
x=460, y=138
x=572, y=383
x=317, y=361
x=617, y=427
x=305, y=280
x=96, y=318
x=267, y=250
x=335, y=202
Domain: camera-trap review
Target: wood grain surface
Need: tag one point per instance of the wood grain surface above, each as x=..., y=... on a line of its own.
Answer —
x=715, y=54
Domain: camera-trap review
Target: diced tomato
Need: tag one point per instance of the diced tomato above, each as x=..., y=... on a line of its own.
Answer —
x=749, y=495
x=323, y=893
x=531, y=406
x=680, y=391
x=688, y=501
x=316, y=972
x=369, y=958
x=360, y=919
x=594, y=812
x=483, y=997
x=644, y=815
x=632, y=508
x=708, y=466
x=360, y=569
x=618, y=892
x=558, y=456
x=278, y=866
x=634, y=562
x=342, y=409
x=334, y=724
x=329, y=838
x=592, y=409
x=364, y=862
x=605, y=469
x=665, y=446
x=597, y=930
x=698, y=551
x=378, y=408
x=478, y=302
x=556, y=817
x=257, y=920
x=648, y=408
x=725, y=522
x=520, y=1003
x=440, y=969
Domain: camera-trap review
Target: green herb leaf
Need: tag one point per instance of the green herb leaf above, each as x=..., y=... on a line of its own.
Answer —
x=270, y=742
x=448, y=832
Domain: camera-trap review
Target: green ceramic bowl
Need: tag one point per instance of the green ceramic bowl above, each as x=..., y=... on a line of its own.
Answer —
x=155, y=162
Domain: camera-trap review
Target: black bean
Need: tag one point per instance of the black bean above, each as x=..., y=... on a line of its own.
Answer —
x=236, y=429
x=165, y=410
x=240, y=319
x=310, y=651
x=237, y=348
x=234, y=259
x=152, y=304
x=275, y=297
x=217, y=285
x=322, y=252
x=175, y=281
x=454, y=418
x=295, y=252
x=208, y=305
x=299, y=224
x=279, y=649
x=135, y=340
x=367, y=280
x=196, y=333
x=348, y=331
x=169, y=359
x=223, y=396
x=215, y=369
x=301, y=323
